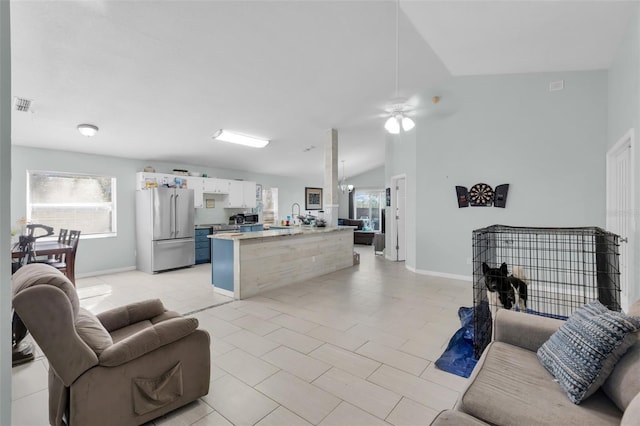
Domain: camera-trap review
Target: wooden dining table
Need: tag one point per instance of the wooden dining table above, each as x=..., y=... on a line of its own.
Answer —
x=49, y=248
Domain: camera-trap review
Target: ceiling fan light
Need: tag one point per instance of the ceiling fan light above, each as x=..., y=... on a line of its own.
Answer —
x=407, y=124
x=392, y=125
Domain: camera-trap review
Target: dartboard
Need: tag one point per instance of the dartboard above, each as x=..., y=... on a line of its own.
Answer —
x=481, y=194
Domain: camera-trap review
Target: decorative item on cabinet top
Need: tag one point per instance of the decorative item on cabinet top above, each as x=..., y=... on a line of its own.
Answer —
x=482, y=195
x=237, y=194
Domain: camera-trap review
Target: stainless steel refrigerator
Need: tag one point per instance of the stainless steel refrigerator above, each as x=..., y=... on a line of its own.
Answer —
x=164, y=229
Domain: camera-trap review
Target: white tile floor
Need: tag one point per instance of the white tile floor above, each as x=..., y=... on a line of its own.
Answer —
x=355, y=347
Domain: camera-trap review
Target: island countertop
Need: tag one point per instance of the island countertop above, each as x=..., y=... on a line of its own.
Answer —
x=244, y=264
x=294, y=230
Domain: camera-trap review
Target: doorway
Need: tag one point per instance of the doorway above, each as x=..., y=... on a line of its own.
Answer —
x=621, y=206
x=398, y=238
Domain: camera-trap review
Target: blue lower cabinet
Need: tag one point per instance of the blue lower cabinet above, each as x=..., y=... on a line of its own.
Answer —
x=222, y=264
x=203, y=245
x=251, y=228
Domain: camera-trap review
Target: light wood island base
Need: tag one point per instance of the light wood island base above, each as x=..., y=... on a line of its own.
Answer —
x=247, y=264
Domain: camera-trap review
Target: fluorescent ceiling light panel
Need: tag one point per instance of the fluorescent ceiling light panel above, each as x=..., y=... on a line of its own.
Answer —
x=227, y=136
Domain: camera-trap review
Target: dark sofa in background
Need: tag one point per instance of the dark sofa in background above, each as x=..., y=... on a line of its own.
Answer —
x=359, y=236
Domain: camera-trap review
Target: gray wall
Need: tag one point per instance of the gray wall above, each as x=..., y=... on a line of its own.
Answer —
x=100, y=255
x=5, y=222
x=549, y=146
x=624, y=114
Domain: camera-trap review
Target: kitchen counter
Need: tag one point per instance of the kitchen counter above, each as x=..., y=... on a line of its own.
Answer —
x=245, y=264
x=280, y=232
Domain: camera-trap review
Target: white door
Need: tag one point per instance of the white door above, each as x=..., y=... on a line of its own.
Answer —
x=398, y=236
x=621, y=206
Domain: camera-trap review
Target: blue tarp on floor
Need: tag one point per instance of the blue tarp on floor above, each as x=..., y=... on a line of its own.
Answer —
x=458, y=357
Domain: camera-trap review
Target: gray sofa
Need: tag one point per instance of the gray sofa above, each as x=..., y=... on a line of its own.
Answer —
x=509, y=386
x=359, y=235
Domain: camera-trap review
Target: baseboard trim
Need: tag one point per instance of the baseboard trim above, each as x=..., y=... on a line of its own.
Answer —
x=105, y=272
x=441, y=274
x=222, y=291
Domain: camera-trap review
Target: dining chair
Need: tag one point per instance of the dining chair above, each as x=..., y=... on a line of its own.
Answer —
x=67, y=265
x=62, y=239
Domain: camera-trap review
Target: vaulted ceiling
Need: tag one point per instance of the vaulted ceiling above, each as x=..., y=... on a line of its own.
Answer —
x=159, y=77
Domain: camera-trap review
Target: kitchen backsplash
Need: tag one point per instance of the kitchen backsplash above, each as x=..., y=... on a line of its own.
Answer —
x=216, y=214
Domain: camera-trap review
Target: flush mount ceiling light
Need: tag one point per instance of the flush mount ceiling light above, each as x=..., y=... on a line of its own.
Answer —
x=232, y=137
x=87, y=130
x=398, y=109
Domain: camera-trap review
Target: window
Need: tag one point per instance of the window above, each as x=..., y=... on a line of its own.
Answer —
x=368, y=205
x=73, y=201
x=270, y=211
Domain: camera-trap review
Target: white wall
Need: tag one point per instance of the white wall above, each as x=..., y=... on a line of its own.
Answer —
x=5, y=212
x=118, y=253
x=549, y=146
x=624, y=114
x=400, y=152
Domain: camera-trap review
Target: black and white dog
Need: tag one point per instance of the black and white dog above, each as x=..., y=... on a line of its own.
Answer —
x=505, y=290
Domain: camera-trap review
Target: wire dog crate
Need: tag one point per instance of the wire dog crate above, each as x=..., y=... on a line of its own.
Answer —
x=563, y=268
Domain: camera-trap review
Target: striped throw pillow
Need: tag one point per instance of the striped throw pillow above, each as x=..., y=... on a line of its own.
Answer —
x=584, y=350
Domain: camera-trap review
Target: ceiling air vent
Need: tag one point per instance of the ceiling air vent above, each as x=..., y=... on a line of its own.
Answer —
x=22, y=104
x=554, y=86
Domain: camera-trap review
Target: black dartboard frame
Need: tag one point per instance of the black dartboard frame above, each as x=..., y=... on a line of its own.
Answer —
x=481, y=195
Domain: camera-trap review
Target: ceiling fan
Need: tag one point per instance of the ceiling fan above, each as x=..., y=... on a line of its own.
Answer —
x=399, y=108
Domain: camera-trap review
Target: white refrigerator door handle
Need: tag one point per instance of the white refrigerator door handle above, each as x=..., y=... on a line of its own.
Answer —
x=172, y=242
x=172, y=215
x=175, y=217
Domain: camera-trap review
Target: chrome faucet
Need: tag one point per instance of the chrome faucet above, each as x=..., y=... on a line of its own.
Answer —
x=293, y=218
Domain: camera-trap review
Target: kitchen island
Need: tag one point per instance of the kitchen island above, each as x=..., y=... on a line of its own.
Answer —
x=249, y=263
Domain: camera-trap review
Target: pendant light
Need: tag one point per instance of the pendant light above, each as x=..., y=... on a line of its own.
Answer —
x=398, y=119
x=343, y=185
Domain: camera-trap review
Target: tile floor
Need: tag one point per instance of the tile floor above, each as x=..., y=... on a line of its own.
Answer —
x=355, y=347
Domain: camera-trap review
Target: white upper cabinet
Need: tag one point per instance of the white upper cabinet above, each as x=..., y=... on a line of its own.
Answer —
x=196, y=183
x=242, y=194
x=216, y=186
x=249, y=194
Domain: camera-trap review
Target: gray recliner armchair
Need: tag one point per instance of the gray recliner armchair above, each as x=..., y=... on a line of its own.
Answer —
x=125, y=366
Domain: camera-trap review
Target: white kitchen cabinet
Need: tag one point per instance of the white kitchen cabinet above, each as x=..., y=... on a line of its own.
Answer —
x=197, y=184
x=249, y=194
x=242, y=194
x=216, y=186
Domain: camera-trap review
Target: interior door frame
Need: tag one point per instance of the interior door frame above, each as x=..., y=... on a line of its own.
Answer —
x=392, y=253
x=625, y=142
